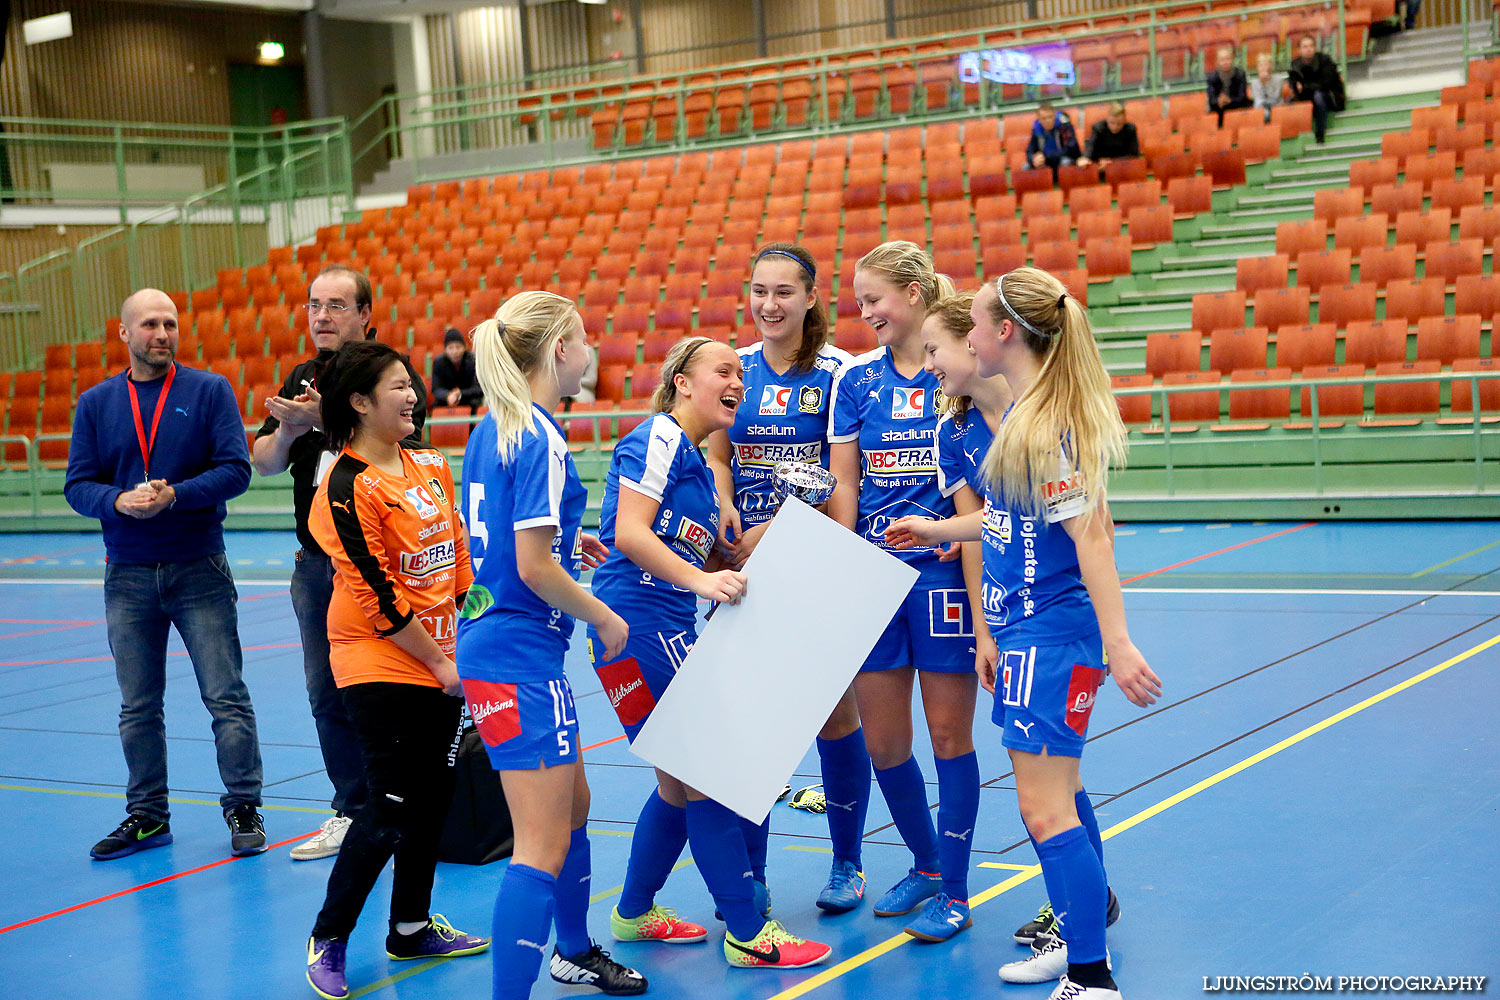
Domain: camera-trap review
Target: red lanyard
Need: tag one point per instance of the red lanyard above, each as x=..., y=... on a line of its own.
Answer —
x=140, y=428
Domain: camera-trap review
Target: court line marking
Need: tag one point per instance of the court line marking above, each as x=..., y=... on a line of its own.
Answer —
x=89, y=582
x=266, y=807
x=896, y=941
x=109, y=659
x=24, y=560
x=155, y=882
x=1450, y=562
x=600, y=897
x=1012, y=868
x=1311, y=591
x=1220, y=552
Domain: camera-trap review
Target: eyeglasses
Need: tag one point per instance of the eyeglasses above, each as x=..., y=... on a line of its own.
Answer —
x=333, y=308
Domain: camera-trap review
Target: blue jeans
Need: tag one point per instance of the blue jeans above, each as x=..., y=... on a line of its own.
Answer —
x=198, y=597
x=312, y=590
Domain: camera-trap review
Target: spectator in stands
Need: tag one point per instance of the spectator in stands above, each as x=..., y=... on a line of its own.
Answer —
x=338, y=312
x=1227, y=88
x=454, y=382
x=1053, y=142
x=1265, y=89
x=1315, y=77
x=1413, y=8
x=1112, y=138
x=160, y=501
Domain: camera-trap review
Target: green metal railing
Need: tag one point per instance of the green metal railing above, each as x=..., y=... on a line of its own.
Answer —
x=66, y=295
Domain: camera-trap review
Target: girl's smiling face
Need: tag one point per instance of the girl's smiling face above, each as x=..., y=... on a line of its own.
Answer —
x=779, y=300
x=893, y=311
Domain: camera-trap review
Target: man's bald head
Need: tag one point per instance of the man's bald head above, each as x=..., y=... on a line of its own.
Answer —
x=148, y=325
x=153, y=298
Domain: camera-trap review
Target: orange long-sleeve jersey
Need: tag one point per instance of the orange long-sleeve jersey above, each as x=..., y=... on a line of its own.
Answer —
x=399, y=547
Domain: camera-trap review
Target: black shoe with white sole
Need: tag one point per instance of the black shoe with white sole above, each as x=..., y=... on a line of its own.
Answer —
x=1046, y=921
x=595, y=968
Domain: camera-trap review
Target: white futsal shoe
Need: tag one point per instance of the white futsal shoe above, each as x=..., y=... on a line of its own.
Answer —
x=325, y=843
x=1067, y=990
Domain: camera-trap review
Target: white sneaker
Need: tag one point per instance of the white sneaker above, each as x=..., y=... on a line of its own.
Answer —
x=1048, y=961
x=1072, y=991
x=326, y=842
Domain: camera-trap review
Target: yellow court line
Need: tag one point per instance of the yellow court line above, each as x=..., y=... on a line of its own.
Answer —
x=174, y=801
x=1011, y=868
x=1450, y=562
x=609, y=833
x=809, y=850
x=381, y=984
x=896, y=941
x=601, y=896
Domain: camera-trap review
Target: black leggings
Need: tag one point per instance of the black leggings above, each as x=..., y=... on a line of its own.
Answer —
x=405, y=734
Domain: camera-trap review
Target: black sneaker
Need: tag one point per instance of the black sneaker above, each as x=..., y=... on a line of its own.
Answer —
x=595, y=968
x=247, y=831
x=137, y=833
x=1046, y=921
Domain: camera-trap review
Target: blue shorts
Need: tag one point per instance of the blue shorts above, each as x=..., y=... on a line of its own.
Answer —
x=933, y=629
x=1044, y=695
x=636, y=679
x=524, y=726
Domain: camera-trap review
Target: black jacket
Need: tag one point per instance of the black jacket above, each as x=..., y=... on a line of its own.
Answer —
x=1238, y=90
x=1320, y=73
x=1107, y=145
x=446, y=377
x=1062, y=134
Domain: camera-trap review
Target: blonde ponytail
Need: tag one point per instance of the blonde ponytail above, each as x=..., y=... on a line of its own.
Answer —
x=678, y=362
x=1069, y=412
x=902, y=262
x=509, y=349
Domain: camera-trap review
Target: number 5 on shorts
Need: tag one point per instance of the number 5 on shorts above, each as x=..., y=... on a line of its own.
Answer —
x=1015, y=676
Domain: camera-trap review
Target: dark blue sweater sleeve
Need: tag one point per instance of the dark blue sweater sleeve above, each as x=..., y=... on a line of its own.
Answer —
x=88, y=489
x=228, y=474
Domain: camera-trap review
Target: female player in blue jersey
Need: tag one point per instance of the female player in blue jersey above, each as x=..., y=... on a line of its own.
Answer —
x=784, y=417
x=661, y=514
x=1051, y=595
x=524, y=506
x=883, y=425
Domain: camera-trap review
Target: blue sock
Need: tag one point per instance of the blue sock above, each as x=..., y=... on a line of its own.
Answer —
x=958, y=810
x=523, y=916
x=719, y=852
x=1090, y=825
x=1075, y=880
x=906, y=794
x=571, y=915
x=660, y=835
x=846, y=786
x=757, y=843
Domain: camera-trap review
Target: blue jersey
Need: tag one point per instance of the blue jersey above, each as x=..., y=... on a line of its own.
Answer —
x=962, y=447
x=1033, y=592
x=783, y=418
x=894, y=419
x=658, y=461
x=506, y=633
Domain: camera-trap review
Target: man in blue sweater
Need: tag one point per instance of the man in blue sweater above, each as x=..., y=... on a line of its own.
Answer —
x=156, y=452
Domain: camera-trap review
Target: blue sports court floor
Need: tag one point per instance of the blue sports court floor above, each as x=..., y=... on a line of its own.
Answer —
x=1317, y=793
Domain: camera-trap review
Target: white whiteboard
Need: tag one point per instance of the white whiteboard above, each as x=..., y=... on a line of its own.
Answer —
x=766, y=673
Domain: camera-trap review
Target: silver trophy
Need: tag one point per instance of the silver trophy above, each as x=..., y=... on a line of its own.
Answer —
x=812, y=484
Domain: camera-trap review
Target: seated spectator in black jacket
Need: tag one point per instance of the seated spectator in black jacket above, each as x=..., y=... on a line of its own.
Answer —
x=1053, y=142
x=1227, y=88
x=1112, y=138
x=1314, y=77
x=454, y=382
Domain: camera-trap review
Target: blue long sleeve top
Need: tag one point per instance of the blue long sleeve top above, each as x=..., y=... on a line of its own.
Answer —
x=200, y=451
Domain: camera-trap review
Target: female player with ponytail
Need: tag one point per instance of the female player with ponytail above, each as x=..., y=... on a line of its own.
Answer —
x=661, y=513
x=1052, y=595
x=525, y=511
x=883, y=428
x=784, y=417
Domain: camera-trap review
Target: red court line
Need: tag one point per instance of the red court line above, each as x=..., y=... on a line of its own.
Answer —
x=1220, y=552
x=107, y=659
x=45, y=621
x=147, y=885
x=45, y=631
x=194, y=871
x=46, y=555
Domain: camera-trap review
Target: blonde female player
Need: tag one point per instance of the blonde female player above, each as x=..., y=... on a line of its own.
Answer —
x=661, y=513
x=525, y=514
x=883, y=424
x=1051, y=593
x=784, y=417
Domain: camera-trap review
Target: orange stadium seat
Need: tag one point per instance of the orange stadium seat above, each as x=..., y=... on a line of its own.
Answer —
x=1297, y=347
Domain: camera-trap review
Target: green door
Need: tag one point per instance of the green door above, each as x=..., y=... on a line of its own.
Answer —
x=262, y=96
